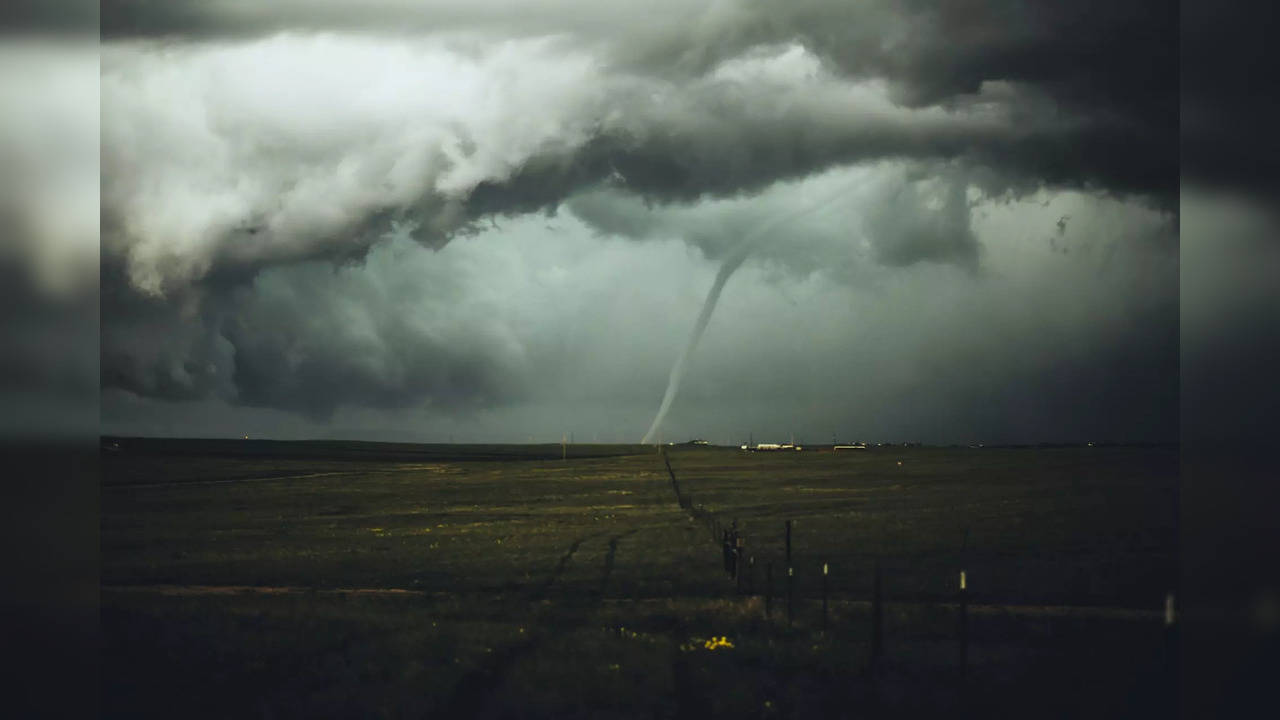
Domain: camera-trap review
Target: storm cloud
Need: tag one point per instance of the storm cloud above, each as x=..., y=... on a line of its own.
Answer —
x=271, y=174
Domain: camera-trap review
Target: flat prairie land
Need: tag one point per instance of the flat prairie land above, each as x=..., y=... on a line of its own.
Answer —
x=251, y=578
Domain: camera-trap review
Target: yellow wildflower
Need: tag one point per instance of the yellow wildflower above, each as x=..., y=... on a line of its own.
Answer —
x=718, y=642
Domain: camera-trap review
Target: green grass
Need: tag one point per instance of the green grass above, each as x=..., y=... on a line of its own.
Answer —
x=525, y=570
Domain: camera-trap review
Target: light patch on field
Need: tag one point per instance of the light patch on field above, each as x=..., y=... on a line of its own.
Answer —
x=468, y=527
x=627, y=476
x=431, y=467
x=831, y=490
x=410, y=511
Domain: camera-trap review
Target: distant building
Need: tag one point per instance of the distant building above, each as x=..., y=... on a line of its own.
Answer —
x=771, y=447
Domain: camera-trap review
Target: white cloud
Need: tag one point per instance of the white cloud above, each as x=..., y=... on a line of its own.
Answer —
x=296, y=146
x=267, y=149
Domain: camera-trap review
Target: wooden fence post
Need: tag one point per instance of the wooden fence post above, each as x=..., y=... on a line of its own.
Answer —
x=824, y=598
x=790, y=592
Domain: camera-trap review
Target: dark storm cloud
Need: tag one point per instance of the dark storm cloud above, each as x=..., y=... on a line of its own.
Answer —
x=1109, y=69
x=776, y=110
x=1035, y=346
x=904, y=230
x=905, y=214
x=1112, y=66
x=311, y=337
x=160, y=347
x=235, y=158
x=223, y=19
x=508, y=318
x=44, y=16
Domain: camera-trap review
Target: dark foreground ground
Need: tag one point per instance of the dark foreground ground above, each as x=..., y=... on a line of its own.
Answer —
x=356, y=580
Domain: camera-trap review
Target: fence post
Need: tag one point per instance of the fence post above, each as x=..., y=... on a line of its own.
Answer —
x=790, y=592
x=735, y=551
x=877, y=647
x=824, y=598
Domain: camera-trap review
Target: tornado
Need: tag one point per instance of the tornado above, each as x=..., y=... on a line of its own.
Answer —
x=727, y=268
x=731, y=264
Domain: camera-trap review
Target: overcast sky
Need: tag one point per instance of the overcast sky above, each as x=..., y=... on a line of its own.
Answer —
x=479, y=221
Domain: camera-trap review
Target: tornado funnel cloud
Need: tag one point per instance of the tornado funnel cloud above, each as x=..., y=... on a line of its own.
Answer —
x=677, y=371
x=731, y=264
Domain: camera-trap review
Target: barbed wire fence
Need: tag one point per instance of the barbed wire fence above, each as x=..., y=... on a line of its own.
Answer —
x=745, y=559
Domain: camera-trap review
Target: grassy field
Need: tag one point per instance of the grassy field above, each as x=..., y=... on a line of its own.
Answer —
x=368, y=580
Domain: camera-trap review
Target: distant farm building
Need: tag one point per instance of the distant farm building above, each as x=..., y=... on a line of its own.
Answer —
x=771, y=447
